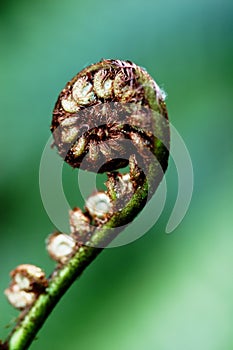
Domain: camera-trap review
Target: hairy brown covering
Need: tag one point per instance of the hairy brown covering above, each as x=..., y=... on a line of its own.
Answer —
x=107, y=112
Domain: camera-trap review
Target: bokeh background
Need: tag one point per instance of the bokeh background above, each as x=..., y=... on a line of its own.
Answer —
x=163, y=291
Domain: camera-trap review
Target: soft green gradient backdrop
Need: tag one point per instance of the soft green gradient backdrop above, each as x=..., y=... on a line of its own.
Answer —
x=163, y=292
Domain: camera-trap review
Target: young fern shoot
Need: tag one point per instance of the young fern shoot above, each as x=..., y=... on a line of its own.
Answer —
x=110, y=115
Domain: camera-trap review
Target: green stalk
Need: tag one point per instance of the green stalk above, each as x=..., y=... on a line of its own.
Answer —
x=27, y=328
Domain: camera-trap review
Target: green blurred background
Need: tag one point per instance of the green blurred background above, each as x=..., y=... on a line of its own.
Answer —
x=163, y=292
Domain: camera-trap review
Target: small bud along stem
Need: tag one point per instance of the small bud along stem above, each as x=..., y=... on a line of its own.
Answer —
x=96, y=86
